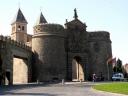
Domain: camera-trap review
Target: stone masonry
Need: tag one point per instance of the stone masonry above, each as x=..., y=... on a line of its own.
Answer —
x=53, y=52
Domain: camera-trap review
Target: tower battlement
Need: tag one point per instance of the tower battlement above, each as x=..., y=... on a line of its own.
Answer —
x=99, y=36
x=49, y=29
x=13, y=42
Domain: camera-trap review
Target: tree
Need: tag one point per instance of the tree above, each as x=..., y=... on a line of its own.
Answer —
x=118, y=67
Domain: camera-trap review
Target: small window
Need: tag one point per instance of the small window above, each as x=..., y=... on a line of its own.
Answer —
x=19, y=28
x=22, y=27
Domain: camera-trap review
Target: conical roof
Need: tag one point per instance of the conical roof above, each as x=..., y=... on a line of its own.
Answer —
x=19, y=17
x=41, y=19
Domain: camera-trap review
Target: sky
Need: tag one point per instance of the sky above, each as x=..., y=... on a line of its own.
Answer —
x=106, y=15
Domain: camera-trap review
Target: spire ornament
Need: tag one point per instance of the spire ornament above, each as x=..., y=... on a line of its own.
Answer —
x=75, y=14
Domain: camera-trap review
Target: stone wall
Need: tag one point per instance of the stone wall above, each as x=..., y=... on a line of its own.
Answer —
x=84, y=62
x=94, y=48
x=100, y=50
x=10, y=49
x=48, y=29
x=49, y=50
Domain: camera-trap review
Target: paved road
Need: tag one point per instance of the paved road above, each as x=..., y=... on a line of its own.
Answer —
x=69, y=89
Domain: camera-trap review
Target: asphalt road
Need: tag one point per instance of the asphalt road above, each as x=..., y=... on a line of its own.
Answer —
x=68, y=89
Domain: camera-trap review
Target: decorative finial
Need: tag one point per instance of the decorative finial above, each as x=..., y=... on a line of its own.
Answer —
x=66, y=20
x=75, y=14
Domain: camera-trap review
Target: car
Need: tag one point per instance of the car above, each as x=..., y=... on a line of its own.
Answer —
x=118, y=77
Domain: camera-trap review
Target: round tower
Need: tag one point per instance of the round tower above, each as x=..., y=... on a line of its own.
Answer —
x=100, y=51
x=49, y=50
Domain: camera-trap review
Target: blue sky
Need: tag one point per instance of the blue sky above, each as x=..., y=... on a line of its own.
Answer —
x=108, y=15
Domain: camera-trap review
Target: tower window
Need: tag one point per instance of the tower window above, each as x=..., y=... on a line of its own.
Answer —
x=19, y=28
x=22, y=27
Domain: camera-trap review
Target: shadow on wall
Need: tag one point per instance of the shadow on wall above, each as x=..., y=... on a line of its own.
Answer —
x=34, y=67
x=51, y=73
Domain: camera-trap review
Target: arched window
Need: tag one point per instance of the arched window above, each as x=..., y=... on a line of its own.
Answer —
x=22, y=27
x=19, y=28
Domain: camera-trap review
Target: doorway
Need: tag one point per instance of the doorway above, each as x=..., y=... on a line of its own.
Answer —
x=20, y=70
x=77, y=69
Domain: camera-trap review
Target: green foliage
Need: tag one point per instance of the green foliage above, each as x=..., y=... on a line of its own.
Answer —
x=121, y=87
x=118, y=67
x=119, y=63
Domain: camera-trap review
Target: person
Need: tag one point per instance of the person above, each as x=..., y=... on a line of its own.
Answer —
x=94, y=77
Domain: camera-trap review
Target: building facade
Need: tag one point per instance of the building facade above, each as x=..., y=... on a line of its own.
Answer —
x=57, y=52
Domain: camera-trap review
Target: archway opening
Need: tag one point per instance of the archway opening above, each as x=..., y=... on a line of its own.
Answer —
x=7, y=78
x=77, y=69
x=20, y=70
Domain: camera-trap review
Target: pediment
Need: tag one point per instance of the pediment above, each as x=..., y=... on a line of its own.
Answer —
x=76, y=23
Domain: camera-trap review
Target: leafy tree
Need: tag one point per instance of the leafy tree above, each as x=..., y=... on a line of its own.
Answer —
x=118, y=67
x=119, y=63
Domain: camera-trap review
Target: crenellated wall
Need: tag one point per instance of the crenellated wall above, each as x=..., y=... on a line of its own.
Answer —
x=14, y=43
x=49, y=29
x=16, y=61
x=99, y=35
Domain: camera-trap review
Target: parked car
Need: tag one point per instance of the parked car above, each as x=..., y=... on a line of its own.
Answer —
x=118, y=77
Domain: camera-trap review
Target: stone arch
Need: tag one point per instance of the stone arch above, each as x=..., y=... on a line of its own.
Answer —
x=77, y=69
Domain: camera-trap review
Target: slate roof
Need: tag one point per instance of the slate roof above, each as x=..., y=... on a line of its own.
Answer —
x=19, y=17
x=41, y=19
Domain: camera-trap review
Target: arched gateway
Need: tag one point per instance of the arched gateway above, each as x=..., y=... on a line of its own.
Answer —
x=77, y=69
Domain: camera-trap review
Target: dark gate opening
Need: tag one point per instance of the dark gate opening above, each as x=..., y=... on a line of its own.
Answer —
x=8, y=77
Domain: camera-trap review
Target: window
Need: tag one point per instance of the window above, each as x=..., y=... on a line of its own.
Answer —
x=22, y=27
x=19, y=28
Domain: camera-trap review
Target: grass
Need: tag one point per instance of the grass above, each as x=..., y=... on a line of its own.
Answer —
x=116, y=87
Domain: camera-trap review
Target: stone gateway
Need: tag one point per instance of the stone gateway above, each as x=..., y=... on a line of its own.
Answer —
x=53, y=52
